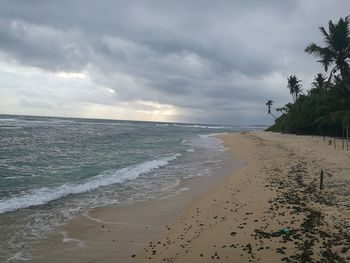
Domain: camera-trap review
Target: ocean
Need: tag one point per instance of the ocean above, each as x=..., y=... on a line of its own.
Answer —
x=54, y=169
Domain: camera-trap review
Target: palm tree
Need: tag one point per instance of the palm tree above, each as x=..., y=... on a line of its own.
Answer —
x=336, y=51
x=319, y=81
x=318, y=85
x=294, y=86
x=283, y=109
x=269, y=104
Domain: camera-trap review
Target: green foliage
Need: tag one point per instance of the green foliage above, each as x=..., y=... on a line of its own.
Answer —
x=294, y=86
x=321, y=112
x=336, y=53
x=326, y=107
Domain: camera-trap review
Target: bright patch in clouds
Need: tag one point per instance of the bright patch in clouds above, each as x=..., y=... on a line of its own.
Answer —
x=26, y=88
x=155, y=108
x=137, y=110
x=71, y=75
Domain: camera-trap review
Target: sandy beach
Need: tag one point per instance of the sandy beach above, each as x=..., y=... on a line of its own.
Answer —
x=271, y=210
x=174, y=131
x=268, y=210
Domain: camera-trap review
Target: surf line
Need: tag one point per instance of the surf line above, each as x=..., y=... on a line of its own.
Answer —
x=109, y=223
x=67, y=239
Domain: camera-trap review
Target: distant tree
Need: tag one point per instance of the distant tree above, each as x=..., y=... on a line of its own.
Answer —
x=319, y=85
x=294, y=86
x=269, y=103
x=319, y=81
x=336, y=51
x=283, y=109
x=288, y=106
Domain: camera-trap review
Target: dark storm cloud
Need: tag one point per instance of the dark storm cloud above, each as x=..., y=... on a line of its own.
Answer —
x=221, y=58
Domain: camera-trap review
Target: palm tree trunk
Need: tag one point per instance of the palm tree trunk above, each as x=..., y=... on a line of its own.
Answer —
x=273, y=115
x=347, y=137
x=331, y=75
x=345, y=75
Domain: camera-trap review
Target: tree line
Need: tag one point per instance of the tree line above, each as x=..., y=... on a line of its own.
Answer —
x=325, y=108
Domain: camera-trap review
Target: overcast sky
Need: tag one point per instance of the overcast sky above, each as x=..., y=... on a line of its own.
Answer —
x=184, y=61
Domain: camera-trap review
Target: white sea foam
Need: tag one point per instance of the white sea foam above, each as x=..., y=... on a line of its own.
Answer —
x=7, y=119
x=10, y=128
x=44, y=195
x=200, y=126
x=207, y=141
x=108, y=222
x=19, y=256
x=211, y=135
x=78, y=242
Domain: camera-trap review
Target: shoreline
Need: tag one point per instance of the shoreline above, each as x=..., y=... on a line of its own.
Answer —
x=269, y=210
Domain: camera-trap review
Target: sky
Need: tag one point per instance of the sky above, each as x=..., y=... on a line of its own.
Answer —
x=214, y=62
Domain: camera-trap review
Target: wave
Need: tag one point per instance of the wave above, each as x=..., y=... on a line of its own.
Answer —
x=205, y=141
x=44, y=195
x=7, y=119
x=205, y=136
x=217, y=127
x=201, y=126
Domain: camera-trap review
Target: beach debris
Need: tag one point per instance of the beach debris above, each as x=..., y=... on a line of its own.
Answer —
x=284, y=231
x=280, y=250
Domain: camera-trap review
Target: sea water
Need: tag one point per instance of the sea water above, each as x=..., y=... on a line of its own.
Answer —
x=54, y=169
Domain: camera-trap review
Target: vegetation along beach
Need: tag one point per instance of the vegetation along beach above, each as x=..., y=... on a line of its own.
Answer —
x=174, y=131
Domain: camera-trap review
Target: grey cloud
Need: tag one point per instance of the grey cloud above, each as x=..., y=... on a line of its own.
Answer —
x=217, y=58
x=42, y=46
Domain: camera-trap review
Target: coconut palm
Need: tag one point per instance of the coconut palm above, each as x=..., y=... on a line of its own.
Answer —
x=269, y=104
x=319, y=81
x=336, y=51
x=319, y=85
x=283, y=109
x=294, y=86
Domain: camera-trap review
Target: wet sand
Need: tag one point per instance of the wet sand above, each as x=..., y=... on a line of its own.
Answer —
x=116, y=233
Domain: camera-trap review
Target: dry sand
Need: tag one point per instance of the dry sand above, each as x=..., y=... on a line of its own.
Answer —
x=240, y=219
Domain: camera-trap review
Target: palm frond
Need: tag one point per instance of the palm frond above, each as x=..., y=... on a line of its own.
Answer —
x=325, y=54
x=313, y=49
x=337, y=49
x=319, y=81
x=325, y=34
